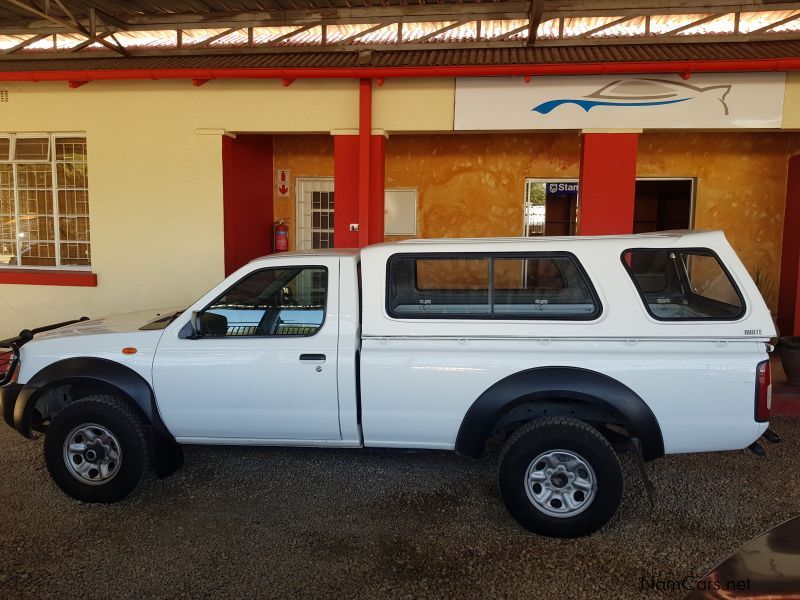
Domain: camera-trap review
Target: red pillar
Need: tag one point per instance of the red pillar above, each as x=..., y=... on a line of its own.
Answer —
x=364, y=134
x=247, y=207
x=358, y=172
x=789, y=290
x=345, y=181
x=377, y=184
x=607, y=183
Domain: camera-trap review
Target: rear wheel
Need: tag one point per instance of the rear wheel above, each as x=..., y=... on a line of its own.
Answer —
x=560, y=477
x=96, y=449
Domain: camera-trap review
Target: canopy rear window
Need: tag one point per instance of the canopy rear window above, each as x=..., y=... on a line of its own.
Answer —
x=538, y=285
x=688, y=284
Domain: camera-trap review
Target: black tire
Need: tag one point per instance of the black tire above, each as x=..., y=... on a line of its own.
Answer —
x=130, y=434
x=539, y=437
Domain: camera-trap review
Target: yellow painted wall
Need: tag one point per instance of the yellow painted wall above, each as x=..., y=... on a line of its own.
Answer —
x=406, y=105
x=791, y=101
x=155, y=186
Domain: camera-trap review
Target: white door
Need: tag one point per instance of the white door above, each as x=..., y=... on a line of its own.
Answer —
x=263, y=366
x=314, y=213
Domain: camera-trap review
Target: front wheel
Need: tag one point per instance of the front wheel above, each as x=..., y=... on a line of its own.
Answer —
x=560, y=477
x=96, y=449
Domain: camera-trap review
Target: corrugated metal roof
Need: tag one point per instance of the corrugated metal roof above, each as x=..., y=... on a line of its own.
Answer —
x=433, y=57
x=170, y=7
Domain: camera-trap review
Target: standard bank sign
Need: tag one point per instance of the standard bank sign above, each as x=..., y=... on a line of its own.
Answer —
x=706, y=100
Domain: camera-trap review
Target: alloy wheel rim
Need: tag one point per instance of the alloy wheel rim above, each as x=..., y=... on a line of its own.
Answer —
x=560, y=483
x=92, y=454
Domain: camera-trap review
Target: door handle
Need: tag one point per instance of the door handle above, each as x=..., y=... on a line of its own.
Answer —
x=313, y=357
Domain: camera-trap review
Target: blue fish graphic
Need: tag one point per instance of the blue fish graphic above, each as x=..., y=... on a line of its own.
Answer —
x=638, y=92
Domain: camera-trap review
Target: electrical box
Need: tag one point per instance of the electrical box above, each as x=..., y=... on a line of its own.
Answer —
x=400, y=212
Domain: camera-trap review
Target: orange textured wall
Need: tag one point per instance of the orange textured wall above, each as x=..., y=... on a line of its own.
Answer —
x=741, y=186
x=472, y=185
x=304, y=156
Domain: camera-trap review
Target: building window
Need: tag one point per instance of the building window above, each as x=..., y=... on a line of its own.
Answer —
x=44, y=201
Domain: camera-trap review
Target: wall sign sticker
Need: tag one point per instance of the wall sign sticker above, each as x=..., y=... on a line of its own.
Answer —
x=639, y=92
x=660, y=101
x=283, y=183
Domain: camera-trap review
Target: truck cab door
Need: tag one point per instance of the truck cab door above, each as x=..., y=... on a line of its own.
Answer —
x=257, y=360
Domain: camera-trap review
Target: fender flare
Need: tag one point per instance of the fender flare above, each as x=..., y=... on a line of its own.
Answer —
x=88, y=370
x=554, y=384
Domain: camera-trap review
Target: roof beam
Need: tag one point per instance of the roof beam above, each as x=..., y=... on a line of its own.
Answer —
x=75, y=28
x=66, y=12
x=605, y=26
x=534, y=19
x=511, y=9
x=775, y=24
x=291, y=34
x=23, y=44
x=688, y=26
x=497, y=42
x=104, y=16
x=367, y=31
x=441, y=30
x=508, y=34
x=213, y=38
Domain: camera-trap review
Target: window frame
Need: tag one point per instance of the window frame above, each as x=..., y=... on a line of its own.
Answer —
x=53, y=162
x=491, y=256
x=703, y=252
x=191, y=335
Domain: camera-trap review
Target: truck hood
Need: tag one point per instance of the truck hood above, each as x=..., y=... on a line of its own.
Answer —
x=122, y=323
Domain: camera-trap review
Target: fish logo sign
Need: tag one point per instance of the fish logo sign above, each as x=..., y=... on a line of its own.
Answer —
x=640, y=92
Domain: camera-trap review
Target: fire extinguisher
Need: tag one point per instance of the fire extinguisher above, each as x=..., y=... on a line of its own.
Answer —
x=280, y=236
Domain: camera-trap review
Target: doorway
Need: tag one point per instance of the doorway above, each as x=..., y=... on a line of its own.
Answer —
x=552, y=206
x=663, y=204
x=315, y=204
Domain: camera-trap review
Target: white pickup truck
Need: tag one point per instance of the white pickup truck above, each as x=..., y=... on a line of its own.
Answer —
x=564, y=350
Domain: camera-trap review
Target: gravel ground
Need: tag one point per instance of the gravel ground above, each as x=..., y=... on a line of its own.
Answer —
x=277, y=523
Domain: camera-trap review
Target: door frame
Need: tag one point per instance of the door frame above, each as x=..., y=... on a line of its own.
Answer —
x=303, y=210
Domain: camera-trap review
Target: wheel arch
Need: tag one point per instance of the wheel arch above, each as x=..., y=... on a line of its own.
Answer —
x=91, y=375
x=87, y=373
x=567, y=391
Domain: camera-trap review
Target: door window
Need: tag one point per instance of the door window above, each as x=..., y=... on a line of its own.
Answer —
x=270, y=302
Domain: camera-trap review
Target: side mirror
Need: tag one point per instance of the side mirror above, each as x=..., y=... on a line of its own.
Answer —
x=197, y=324
x=204, y=325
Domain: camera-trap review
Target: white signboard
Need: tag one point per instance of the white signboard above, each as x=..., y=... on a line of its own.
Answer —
x=662, y=101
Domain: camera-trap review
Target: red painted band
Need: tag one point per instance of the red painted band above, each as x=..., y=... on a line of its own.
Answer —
x=36, y=277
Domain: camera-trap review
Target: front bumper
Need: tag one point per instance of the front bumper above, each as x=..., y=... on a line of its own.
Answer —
x=8, y=401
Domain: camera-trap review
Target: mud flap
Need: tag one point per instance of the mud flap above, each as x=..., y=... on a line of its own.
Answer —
x=636, y=446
